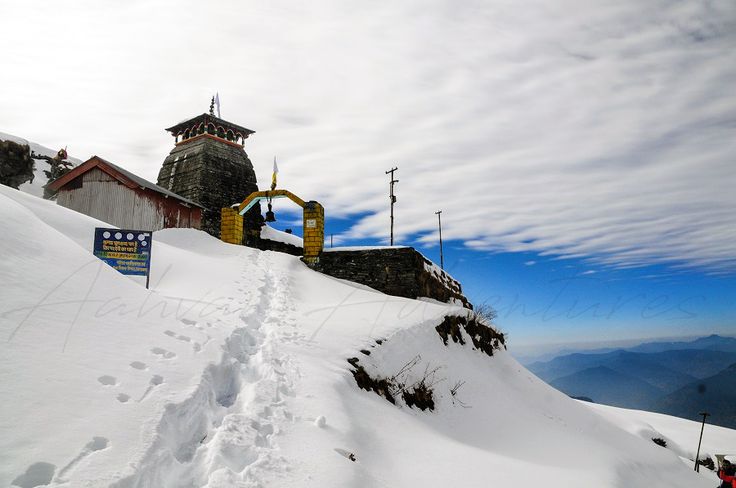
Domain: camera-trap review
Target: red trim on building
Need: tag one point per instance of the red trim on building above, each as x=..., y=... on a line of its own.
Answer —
x=91, y=163
x=218, y=139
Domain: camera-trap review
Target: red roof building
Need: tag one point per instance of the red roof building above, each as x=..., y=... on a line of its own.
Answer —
x=109, y=193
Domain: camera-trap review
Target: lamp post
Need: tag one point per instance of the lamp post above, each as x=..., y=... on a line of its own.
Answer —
x=702, y=427
x=439, y=222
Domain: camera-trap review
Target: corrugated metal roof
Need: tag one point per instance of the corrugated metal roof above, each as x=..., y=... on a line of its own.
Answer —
x=96, y=161
x=148, y=184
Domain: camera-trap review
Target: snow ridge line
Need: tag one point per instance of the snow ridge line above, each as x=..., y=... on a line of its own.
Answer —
x=224, y=432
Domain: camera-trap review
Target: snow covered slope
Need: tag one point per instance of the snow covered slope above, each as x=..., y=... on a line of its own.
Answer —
x=232, y=372
x=35, y=187
x=681, y=435
x=268, y=232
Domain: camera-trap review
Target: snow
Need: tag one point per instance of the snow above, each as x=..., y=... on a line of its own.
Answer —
x=268, y=232
x=225, y=373
x=681, y=435
x=361, y=248
x=35, y=187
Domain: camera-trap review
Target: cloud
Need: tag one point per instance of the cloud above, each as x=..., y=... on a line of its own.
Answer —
x=595, y=130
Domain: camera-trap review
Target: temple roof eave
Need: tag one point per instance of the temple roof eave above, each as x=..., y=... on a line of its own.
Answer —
x=207, y=119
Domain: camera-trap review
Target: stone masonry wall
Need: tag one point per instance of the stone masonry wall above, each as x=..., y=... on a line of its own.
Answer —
x=395, y=271
x=231, y=226
x=211, y=172
x=269, y=245
x=314, y=231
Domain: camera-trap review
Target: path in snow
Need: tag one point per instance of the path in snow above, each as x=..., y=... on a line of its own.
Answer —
x=224, y=435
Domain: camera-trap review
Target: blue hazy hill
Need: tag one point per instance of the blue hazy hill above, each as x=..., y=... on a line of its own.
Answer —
x=657, y=376
x=604, y=385
x=711, y=343
x=715, y=395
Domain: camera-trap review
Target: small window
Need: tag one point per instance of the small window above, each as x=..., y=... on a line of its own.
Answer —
x=75, y=184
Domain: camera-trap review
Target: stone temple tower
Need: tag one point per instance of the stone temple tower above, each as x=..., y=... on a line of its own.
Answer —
x=209, y=166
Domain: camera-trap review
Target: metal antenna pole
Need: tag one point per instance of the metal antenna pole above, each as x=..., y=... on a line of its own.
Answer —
x=442, y=255
x=697, y=456
x=393, y=199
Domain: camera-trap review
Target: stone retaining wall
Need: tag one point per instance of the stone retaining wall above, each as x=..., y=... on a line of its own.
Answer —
x=401, y=271
x=269, y=245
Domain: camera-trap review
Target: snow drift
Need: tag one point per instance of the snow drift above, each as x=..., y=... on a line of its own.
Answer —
x=232, y=371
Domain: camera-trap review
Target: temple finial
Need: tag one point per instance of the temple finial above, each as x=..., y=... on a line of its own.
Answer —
x=212, y=106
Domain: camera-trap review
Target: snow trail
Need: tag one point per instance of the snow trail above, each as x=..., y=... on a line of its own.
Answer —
x=224, y=434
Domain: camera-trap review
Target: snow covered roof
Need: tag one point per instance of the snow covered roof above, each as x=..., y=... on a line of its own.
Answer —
x=272, y=234
x=122, y=175
x=362, y=248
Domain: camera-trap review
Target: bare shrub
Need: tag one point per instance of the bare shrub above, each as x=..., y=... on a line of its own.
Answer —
x=419, y=393
x=659, y=441
x=453, y=393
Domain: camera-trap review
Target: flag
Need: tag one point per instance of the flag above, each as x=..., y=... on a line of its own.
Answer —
x=217, y=103
x=275, y=172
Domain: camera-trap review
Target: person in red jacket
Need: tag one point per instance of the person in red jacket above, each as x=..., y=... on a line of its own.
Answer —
x=727, y=478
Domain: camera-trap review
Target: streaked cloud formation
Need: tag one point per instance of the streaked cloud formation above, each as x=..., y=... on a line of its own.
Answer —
x=603, y=130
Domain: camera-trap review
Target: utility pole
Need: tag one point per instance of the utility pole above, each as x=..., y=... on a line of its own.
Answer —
x=442, y=256
x=393, y=199
x=330, y=240
x=704, y=414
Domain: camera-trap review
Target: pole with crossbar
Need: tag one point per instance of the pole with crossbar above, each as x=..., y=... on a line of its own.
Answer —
x=392, y=197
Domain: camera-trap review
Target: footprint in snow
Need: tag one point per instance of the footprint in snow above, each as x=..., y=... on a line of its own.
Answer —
x=123, y=398
x=37, y=474
x=108, y=380
x=163, y=353
x=173, y=334
x=96, y=444
x=155, y=381
x=138, y=365
x=188, y=322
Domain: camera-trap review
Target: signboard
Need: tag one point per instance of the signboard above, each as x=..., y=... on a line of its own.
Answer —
x=128, y=251
x=311, y=223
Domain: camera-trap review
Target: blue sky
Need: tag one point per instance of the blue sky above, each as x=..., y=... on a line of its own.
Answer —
x=593, y=138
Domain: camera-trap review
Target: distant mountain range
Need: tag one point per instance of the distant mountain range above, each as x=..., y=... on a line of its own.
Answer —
x=607, y=386
x=710, y=343
x=677, y=378
x=715, y=394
